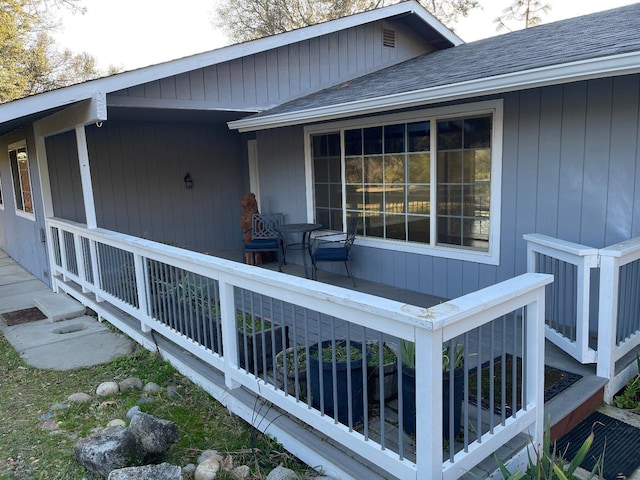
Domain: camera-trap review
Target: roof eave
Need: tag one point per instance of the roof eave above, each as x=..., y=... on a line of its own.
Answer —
x=613, y=65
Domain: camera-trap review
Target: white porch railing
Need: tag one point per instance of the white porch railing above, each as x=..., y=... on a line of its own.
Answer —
x=619, y=311
x=616, y=332
x=567, y=298
x=236, y=317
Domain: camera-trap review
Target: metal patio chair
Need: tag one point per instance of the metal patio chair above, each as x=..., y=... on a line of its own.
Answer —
x=335, y=250
x=264, y=238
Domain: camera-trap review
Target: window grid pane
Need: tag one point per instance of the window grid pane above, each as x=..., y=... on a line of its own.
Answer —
x=21, y=179
x=464, y=175
x=328, y=180
x=388, y=181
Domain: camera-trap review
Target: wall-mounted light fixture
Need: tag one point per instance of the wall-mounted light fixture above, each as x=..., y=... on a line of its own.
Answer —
x=188, y=183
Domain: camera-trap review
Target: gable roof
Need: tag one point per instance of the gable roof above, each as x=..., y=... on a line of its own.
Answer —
x=601, y=44
x=25, y=109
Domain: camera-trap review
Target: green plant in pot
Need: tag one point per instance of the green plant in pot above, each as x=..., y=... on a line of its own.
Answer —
x=257, y=338
x=452, y=355
x=389, y=364
x=348, y=356
x=291, y=364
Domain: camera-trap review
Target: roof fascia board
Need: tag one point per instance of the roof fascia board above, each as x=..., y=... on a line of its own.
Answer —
x=170, y=104
x=622, y=64
x=83, y=112
x=37, y=103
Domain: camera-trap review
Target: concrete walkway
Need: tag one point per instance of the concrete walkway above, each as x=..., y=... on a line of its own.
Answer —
x=67, y=338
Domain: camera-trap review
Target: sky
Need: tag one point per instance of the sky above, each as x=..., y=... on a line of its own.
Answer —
x=130, y=34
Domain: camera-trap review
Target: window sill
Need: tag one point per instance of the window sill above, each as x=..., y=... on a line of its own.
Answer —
x=453, y=253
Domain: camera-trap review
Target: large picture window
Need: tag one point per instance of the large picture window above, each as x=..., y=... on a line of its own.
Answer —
x=425, y=181
x=21, y=178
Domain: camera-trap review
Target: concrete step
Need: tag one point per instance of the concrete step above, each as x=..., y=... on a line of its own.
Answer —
x=58, y=306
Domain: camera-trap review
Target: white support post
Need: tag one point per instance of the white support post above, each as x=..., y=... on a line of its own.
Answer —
x=607, y=315
x=141, y=288
x=534, y=336
x=229, y=331
x=429, y=442
x=85, y=176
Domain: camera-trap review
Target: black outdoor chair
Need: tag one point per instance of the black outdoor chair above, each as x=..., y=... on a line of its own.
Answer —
x=335, y=250
x=265, y=237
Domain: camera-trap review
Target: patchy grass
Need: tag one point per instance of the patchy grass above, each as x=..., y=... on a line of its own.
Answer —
x=36, y=443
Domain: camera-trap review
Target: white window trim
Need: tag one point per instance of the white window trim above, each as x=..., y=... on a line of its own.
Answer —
x=494, y=107
x=22, y=213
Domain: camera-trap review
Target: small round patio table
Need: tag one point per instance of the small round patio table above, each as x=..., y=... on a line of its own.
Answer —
x=303, y=229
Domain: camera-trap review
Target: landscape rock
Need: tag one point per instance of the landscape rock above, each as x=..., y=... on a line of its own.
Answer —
x=107, y=388
x=208, y=454
x=188, y=470
x=131, y=383
x=282, y=473
x=80, y=397
x=151, y=387
x=154, y=435
x=117, y=422
x=110, y=449
x=163, y=471
x=208, y=469
x=133, y=411
x=145, y=400
x=57, y=407
x=241, y=472
x=172, y=391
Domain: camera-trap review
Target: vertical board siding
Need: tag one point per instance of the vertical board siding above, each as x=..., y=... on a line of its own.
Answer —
x=137, y=173
x=64, y=171
x=269, y=78
x=282, y=174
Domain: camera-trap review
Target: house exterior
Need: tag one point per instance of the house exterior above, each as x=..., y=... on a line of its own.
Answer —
x=467, y=165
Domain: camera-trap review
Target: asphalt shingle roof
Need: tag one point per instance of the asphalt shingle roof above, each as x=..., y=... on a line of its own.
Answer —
x=601, y=34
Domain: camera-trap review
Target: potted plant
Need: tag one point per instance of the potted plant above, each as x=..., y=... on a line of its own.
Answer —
x=389, y=372
x=261, y=338
x=451, y=355
x=348, y=356
x=289, y=363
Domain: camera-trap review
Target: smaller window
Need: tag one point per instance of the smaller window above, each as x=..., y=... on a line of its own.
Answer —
x=21, y=178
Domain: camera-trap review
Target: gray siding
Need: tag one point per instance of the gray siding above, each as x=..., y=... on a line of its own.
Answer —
x=19, y=236
x=269, y=78
x=571, y=158
x=137, y=170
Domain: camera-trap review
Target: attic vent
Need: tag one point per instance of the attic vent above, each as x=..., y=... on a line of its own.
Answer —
x=389, y=38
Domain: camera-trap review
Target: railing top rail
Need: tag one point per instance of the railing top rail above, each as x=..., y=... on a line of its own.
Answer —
x=434, y=318
x=562, y=245
x=487, y=299
x=623, y=249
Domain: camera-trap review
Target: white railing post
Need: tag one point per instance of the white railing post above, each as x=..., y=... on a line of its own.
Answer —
x=52, y=255
x=428, y=404
x=77, y=243
x=97, y=282
x=141, y=290
x=607, y=314
x=535, y=363
x=229, y=331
